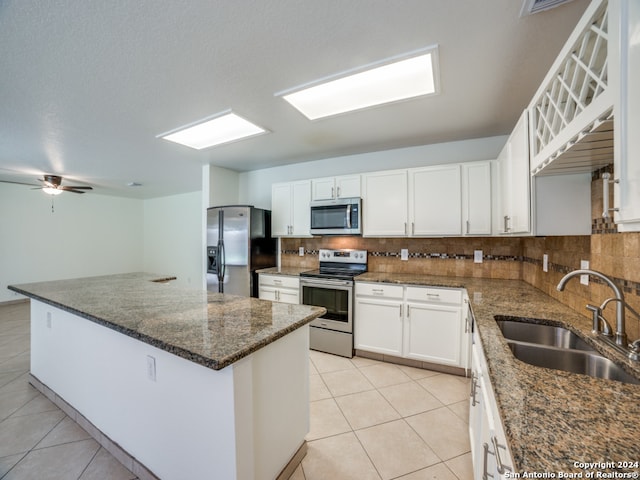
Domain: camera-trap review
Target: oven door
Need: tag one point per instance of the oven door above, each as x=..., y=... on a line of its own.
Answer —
x=334, y=295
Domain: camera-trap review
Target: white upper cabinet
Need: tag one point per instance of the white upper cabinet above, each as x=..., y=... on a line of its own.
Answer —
x=290, y=216
x=624, y=19
x=515, y=181
x=477, y=198
x=332, y=188
x=435, y=201
x=384, y=203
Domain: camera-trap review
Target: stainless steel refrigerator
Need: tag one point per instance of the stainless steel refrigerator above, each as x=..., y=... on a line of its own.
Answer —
x=239, y=242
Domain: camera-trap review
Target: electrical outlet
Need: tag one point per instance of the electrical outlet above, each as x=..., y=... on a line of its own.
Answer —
x=48, y=319
x=477, y=256
x=477, y=297
x=545, y=263
x=151, y=368
x=404, y=254
x=584, y=279
x=301, y=251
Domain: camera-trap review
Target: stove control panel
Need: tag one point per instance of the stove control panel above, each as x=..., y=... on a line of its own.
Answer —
x=343, y=256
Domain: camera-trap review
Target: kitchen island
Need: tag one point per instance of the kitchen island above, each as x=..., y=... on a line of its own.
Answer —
x=175, y=382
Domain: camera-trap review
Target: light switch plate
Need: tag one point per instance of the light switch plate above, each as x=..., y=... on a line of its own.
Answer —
x=404, y=254
x=477, y=256
x=301, y=251
x=584, y=279
x=545, y=263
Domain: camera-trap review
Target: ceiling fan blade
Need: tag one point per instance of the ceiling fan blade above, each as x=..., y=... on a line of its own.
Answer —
x=70, y=189
x=19, y=183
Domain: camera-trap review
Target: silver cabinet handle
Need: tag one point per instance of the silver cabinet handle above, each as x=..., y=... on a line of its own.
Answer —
x=377, y=291
x=474, y=389
x=468, y=226
x=413, y=228
x=501, y=467
x=332, y=192
x=506, y=223
x=405, y=228
x=338, y=195
x=401, y=311
x=485, y=474
x=606, y=180
x=433, y=295
x=408, y=311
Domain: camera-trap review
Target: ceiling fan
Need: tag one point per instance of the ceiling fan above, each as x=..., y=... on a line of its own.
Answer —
x=52, y=184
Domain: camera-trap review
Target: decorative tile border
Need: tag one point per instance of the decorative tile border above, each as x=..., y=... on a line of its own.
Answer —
x=601, y=225
x=434, y=255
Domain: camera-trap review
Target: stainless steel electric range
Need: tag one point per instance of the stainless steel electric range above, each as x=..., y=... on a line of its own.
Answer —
x=331, y=287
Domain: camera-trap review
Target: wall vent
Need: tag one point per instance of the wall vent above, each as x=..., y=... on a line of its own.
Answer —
x=530, y=7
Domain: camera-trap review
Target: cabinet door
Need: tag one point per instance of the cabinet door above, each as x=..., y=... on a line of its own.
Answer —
x=435, y=201
x=384, y=203
x=625, y=16
x=323, y=188
x=280, y=209
x=378, y=326
x=287, y=295
x=267, y=293
x=516, y=180
x=348, y=186
x=433, y=333
x=301, y=216
x=476, y=198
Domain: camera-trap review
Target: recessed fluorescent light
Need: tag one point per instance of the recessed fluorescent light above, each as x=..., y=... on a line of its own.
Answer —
x=221, y=128
x=398, y=78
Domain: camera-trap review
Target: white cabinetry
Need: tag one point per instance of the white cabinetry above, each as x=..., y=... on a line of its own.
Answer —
x=435, y=200
x=279, y=288
x=379, y=318
x=624, y=22
x=434, y=326
x=489, y=450
x=384, y=203
x=420, y=323
x=515, y=180
x=290, y=209
x=335, y=187
x=477, y=198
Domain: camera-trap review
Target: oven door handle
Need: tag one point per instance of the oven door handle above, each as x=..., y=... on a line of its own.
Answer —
x=325, y=283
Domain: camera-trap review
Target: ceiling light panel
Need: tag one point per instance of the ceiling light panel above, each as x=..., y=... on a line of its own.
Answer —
x=412, y=75
x=222, y=128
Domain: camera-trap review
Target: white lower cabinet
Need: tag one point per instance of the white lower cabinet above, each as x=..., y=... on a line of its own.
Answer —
x=279, y=288
x=489, y=450
x=420, y=323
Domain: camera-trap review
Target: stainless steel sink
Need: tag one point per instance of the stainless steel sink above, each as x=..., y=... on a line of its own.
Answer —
x=542, y=335
x=576, y=361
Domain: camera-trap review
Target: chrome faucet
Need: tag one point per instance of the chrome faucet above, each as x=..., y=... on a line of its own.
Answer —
x=620, y=335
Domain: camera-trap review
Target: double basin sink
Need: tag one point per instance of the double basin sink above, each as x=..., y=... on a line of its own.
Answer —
x=560, y=349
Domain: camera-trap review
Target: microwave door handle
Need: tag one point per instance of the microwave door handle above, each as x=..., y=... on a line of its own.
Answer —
x=349, y=216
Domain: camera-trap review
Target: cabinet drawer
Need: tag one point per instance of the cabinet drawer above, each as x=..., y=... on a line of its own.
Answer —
x=279, y=281
x=435, y=295
x=382, y=290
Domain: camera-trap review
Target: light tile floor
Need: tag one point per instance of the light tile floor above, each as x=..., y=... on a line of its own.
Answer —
x=369, y=420
x=374, y=420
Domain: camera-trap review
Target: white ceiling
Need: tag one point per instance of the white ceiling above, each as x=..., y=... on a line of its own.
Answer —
x=86, y=85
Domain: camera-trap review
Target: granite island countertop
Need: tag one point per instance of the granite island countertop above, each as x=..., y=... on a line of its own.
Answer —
x=210, y=329
x=287, y=271
x=551, y=418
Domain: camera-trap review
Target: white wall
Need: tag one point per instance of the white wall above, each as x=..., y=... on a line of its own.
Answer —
x=173, y=237
x=255, y=186
x=224, y=186
x=87, y=235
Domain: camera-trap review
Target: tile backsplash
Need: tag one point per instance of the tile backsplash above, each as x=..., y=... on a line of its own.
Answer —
x=614, y=254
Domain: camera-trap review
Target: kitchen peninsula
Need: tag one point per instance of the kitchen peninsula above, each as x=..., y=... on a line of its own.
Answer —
x=181, y=382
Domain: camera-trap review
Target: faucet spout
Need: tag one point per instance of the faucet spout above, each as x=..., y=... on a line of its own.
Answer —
x=621, y=336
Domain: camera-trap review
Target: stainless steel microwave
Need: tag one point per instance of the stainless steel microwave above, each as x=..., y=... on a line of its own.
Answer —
x=336, y=217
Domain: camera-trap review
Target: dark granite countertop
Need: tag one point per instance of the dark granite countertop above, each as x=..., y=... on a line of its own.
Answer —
x=551, y=418
x=211, y=329
x=288, y=271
